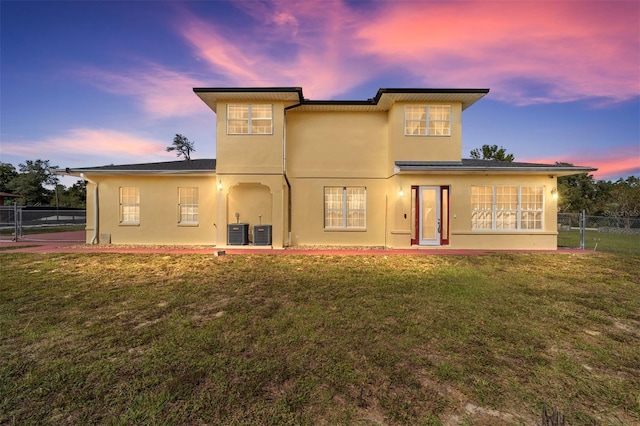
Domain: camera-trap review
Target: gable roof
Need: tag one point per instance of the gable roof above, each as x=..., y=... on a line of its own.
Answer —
x=293, y=98
x=166, y=167
x=468, y=166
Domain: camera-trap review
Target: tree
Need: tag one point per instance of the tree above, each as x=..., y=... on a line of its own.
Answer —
x=625, y=199
x=581, y=192
x=7, y=173
x=30, y=182
x=73, y=196
x=183, y=146
x=491, y=152
x=576, y=192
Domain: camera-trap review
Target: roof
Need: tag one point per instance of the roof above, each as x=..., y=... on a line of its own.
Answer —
x=7, y=195
x=294, y=99
x=467, y=166
x=165, y=167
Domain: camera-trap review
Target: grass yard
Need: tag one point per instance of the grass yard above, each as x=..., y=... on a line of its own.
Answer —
x=600, y=241
x=194, y=339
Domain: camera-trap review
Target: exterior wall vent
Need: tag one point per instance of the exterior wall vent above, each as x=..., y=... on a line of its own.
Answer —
x=262, y=235
x=238, y=234
x=104, y=239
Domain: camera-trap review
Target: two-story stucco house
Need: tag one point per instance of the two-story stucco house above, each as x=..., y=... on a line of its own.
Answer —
x=386, y=171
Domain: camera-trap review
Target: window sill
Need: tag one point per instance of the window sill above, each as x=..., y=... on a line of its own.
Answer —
x=250, y=134
x=129, y=224
x=345, y=229
x=428, y=136
x=188, y=224
x=504, y=232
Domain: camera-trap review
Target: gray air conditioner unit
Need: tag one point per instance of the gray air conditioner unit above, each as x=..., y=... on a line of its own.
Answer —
x=238, y=234
x=262, y=235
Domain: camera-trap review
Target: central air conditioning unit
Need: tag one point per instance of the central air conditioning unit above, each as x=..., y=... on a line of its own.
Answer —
x=262, y=235
x=238, y=234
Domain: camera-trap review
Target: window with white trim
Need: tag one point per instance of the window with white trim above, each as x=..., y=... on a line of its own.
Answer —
x=345, y=207
x=188, y=206
x=249, y=119
x=129, y=205
x=481, y=207
x=507, y=207
x=427, y=120
x=531, y=207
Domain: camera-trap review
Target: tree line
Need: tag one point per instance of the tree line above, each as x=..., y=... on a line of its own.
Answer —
x=36, y=184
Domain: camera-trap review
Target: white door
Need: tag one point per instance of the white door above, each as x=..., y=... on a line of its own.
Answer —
x=430, y=222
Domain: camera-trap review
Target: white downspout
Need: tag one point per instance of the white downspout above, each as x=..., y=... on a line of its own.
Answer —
x=284, y=143
x=95, y=208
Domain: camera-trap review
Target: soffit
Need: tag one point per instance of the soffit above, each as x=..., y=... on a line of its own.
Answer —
x=338, y=106
x=467, y=99
x=212, y=97
x=387, y=97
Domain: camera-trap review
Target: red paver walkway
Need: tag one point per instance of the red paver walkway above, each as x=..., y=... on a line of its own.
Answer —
x=73, y=242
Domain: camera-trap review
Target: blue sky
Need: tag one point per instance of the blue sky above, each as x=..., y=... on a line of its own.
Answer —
x=89, y=83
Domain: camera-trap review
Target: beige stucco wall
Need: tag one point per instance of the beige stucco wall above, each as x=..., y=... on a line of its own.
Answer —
x=461, y=235
x=389, y=220
x=337, y=144
x=255, y=154
x=263, y=199
x=158, y=210
x=307, y=206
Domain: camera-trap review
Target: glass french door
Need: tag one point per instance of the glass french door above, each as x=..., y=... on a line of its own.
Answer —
x=430, y=211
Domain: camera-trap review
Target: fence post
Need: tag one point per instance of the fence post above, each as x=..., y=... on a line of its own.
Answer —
x=15, y=222
x=583, y=225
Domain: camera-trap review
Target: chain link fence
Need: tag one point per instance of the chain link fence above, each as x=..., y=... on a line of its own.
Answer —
x=615, y=233
x=21, y=223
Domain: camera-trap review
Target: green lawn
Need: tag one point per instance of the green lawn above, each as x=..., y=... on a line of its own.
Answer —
x=194, y=339
x=600, y=241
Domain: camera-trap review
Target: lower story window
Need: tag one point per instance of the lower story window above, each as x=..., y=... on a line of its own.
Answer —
x=507, y=207
x=345, y=207
x=129, y=205
x=188, y=206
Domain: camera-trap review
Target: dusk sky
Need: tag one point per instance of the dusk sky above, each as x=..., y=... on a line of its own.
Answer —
x=90, y=83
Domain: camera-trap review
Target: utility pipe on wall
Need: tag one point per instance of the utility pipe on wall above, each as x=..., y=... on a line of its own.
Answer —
x=95, y=208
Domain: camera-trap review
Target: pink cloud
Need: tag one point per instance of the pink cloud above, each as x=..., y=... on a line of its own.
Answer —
x=316, y=54
x=526, y=52
x=161, y=92
x=611, y=164
x=565, y=51
x=117, y=147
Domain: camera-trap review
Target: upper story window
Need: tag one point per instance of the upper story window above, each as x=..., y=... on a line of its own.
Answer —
x=249, y=119
x=427, y=120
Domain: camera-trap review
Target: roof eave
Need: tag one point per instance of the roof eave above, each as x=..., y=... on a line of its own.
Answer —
x=565, y=171
x=76, y=172
x=382, y=101
x=211, y=95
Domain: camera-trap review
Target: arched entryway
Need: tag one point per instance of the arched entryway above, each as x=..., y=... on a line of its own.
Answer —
x=250, y=203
